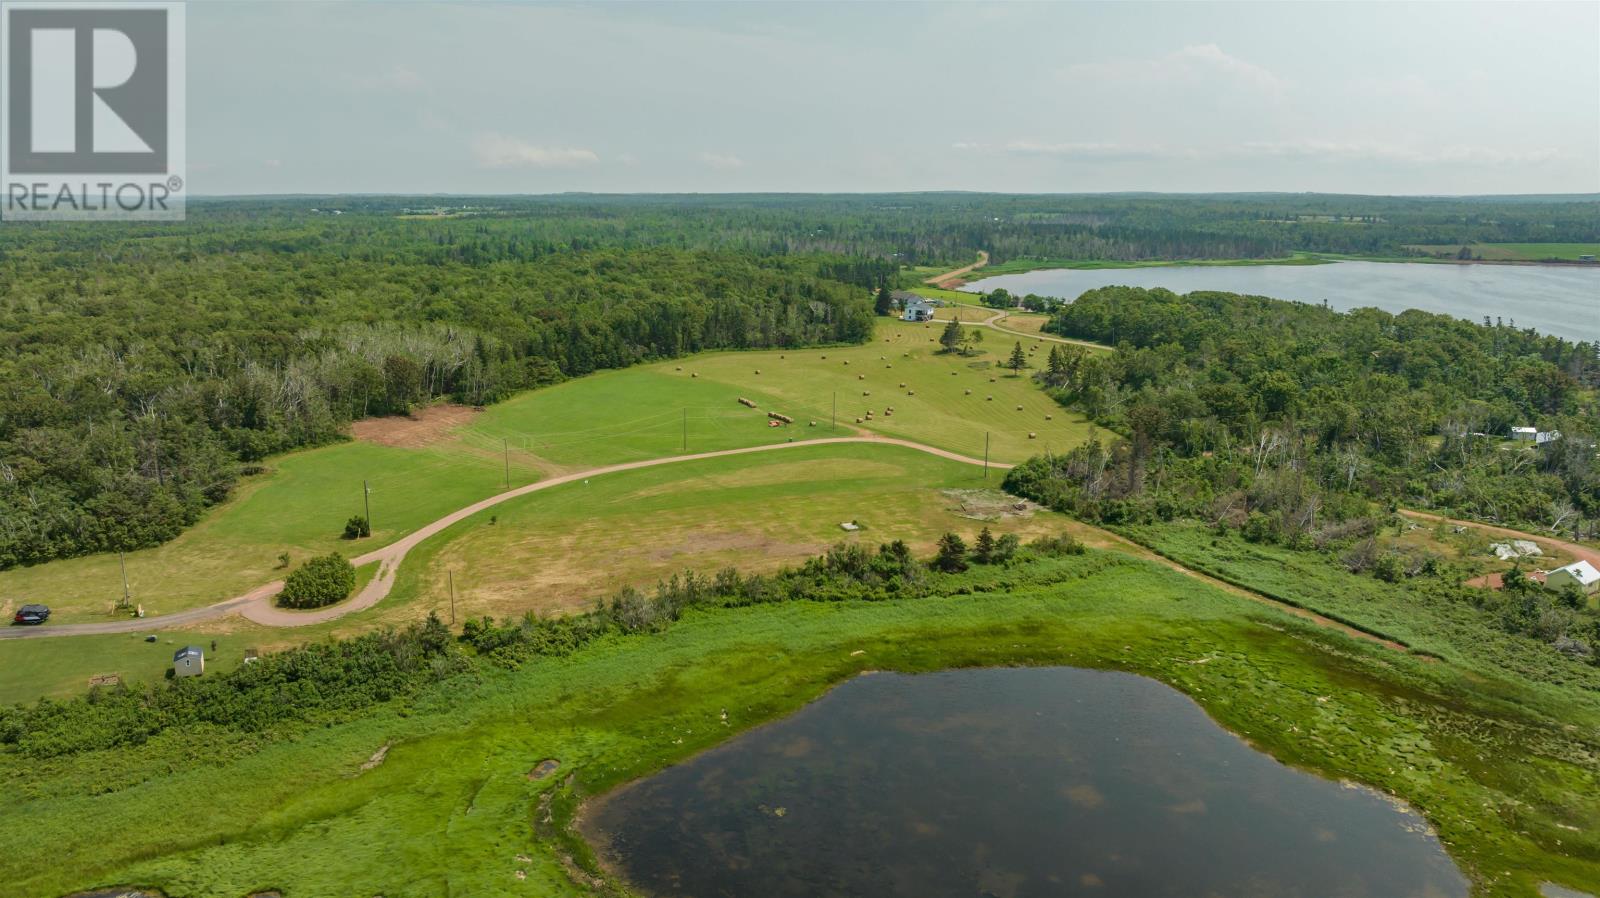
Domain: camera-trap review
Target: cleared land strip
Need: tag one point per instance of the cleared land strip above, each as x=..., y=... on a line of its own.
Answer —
x=256, y=605
x=1580, y=552
x=940, y=280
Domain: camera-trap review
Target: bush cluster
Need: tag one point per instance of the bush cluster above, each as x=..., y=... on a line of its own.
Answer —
x=320, y=581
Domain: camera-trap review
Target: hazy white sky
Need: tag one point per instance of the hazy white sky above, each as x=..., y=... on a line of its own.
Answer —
x=537, y=98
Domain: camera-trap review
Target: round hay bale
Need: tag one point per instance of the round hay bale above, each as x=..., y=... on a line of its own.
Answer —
x=988, y=399
x=902, y=385
x=968, y=393
x=758, y=370
x=911, y=392
x=861, y=377
x=1031, y=435
x=694, y=374
x=866, y=392
x=1019, y=408
x=858, y=420
x=1049, y=417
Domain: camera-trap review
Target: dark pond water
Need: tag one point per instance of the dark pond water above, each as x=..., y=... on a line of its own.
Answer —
x=1554, y=299
x=1011, y=783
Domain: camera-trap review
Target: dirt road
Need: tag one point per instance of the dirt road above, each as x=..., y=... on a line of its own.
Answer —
x=953, y=279
x=1580, y=552
x=257, y=605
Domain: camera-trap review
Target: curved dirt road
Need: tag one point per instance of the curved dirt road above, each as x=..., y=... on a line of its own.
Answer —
x=1580, y=552
x=256, y=605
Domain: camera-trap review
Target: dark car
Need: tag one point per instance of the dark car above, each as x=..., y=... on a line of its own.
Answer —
x=31, y=614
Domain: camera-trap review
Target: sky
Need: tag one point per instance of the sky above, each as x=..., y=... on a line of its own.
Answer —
x=502, y=98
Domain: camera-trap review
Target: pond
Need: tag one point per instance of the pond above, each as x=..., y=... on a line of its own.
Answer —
x=1563, y=300
x=1008, y=783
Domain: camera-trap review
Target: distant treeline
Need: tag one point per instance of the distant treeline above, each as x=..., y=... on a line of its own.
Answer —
x=135, y=379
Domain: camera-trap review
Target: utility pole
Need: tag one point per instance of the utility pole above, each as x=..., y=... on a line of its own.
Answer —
x=986, y=456
x=366, y=502
x=505, y=446
x=686, y=429
x=834, y=422
x=127, y=597
x=451, y=576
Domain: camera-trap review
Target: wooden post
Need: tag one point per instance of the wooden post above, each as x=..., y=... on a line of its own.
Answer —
x=505, y=445
x=366, y=502
x=986, y=456
x=686, y=429
x=127, y=597
x=451, y=576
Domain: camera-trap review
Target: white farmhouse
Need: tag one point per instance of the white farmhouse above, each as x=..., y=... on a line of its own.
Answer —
x=1581, y=574
x=1525, y=433
x=917, y=310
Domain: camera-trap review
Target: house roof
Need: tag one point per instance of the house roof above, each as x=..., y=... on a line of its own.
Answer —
x=188, y=651
x=1582, y=571
x=1524, y=430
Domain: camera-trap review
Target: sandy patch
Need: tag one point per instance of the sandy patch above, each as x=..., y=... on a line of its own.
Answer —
x=424, y=427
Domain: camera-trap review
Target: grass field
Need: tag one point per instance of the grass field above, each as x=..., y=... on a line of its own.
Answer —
x=452, y=809
x=639, y=412
x=560, y=550
x=301, y=505
x=1515, y=252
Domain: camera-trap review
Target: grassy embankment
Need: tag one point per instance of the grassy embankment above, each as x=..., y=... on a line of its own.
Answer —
x=1504, y=771
x=1514, y=252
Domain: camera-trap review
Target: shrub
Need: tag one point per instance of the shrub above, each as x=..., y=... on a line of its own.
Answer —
x=318, y=582
x=1065, y=544
x=357, y=527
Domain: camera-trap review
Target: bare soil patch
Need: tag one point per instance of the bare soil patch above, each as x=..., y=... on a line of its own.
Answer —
x=988, y=505
x=424, y=427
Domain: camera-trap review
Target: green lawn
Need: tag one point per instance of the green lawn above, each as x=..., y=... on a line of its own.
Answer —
x=452, y=810
x=638, y=412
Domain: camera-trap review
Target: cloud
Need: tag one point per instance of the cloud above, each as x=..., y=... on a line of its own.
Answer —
x=1100, y=151
x=721, y=160
x=1334, y=151
x=1193, y=63
x=493, y=150
x=272, y=163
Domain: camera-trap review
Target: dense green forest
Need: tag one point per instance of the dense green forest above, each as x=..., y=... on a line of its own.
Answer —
x=1299, y=426
x=142, y=364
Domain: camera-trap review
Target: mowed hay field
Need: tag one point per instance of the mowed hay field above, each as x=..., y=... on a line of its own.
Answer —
x=559, y=550
x=300, y=505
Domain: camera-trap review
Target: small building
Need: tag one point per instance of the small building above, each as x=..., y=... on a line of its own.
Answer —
x=1581, y=574
x=1586, y=257
x=917, y=309
x=1546, y=436
x=1525, y=433
x=190, y=661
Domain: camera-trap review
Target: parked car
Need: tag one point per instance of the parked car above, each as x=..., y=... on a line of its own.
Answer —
x=31, y=614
